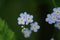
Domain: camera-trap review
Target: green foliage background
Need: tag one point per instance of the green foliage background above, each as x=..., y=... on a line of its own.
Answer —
x=5, y=32
x=10, y=10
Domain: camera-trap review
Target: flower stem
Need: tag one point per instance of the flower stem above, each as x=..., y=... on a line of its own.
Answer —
x=53, y=1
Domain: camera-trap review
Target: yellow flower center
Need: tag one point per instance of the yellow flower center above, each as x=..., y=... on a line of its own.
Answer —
x=21, y=20
x=53, y=18
x=34, y=26
x=26, y=32
x=57, y=12
x=28, y=18
x=59, y=24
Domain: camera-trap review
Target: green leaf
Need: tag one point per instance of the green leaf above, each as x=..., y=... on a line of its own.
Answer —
x=5, y=32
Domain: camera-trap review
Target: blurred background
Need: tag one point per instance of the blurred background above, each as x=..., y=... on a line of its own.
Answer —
x=10, y=10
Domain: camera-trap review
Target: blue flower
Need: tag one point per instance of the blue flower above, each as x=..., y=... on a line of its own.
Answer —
x=51, y=18
x=57, y=25
x=35, y=26
x=27, y=33
x=24, y=15
x=21, y=20
x=48, y=17
x=26, y=19
x=29, y=19
x=56, y=10
x=54, y=17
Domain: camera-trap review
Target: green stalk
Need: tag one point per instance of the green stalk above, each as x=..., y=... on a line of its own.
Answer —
x=53, y=1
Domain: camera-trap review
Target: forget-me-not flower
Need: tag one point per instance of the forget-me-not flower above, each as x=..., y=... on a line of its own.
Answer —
x=29, y=19
x=57, y=25
x=51, y=18
x=54, y=17
x=56, y=10
x=21, y=20
x=27, y=33
x=35, y=26
x=24, y=15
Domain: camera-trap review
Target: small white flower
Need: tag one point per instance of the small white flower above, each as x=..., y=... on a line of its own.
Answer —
x=27, y=33
x=29, y=19
x=52, y=39
x=23, y=30
x=35, y=26
x=22, y=26
x=21, y=21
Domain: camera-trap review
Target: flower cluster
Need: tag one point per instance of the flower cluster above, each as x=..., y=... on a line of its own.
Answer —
x=27, y=19
x=54, y=17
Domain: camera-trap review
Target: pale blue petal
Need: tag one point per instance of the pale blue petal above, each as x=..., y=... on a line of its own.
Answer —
x=35, y=30
x=26, y=36
x=58, y=16
x=31, y=28
x=58, y=8
x=48, y=15
x=50, y=22
x=21, y=14
x=38, y=27
x=31, y=16
x=25, y=13
x=31, y=20
x=56, y=25
x=47, y=19
x=18, y=18
x=19, y=23
x=54, y=9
